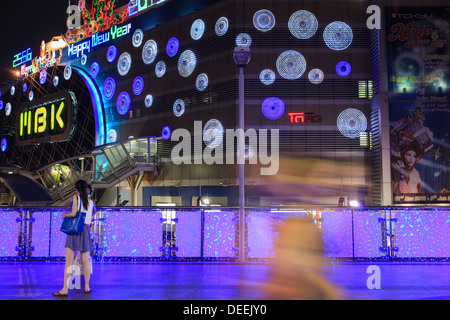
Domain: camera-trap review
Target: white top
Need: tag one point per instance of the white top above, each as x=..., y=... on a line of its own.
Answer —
x=88, y=211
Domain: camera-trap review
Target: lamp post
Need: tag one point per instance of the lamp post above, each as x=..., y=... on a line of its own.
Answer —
x=241, y=56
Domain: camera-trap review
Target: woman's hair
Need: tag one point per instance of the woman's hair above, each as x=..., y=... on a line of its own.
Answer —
x=414, y=146
x=81, y=186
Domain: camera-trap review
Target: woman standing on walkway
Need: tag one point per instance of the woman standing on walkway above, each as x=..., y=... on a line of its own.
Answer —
x=79, y=242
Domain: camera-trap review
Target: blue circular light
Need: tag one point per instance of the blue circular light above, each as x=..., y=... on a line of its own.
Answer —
x=123, y=103
x=264, y=20
x=221, y=26
x=138, y=86
x=173, y=45
x=124, y=63
x=166, y=133
x=56, y=81
x=67, y=72
x=25, y=87
x=273, y=108
x=138, y=37
x=316, y=76
x=111, y=55
x=197, y=29
x=160, y=69
x=148, y=101
x=338, y=35
x=109, y=88
x=243, y=40
x=267, y=77
x=149, y=51
x=202, y=82
x=187, y=63
x=1, y=105
x=351, y=123
x=179, y=108
x=4, y=145
x=303, y=24
x=343, y=68
x=213, y=133
x=95, y=69
x=291, y=65
x=43, y=77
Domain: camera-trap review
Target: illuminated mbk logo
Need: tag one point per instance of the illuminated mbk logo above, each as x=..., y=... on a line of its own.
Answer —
x=302, y=117
x=42, y=119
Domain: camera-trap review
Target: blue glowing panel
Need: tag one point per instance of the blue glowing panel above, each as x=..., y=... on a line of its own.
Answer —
x=187, y=235
x=4, y=145
x=197, y=29
x=213, y=133
x=267, y=77
x=173, y=45
x=243, y=40
x=337, y=234
x=56, y=81
x=220, y=234
x=95, y=69
x=166, y=133
x=221, y=27
x=9, y=233
x=343, y=68
x=67, y=72
x=149, y=51
x=316, y=76
x=273, y=108
x=109, y=88
x=138, y=86
x=124, y=64
x=338, y=36
x=264, y=20
x=148, y=101
x=351, y=123
x=160, y=69
x=41, y=233
x=291, y=65
x=303, y=24
x=58, y=243
x=187, y=63
x=202, y=82
x=111, y=55
x=123, y=103
x=367, y=234
x=179, y=108
x=138, y=37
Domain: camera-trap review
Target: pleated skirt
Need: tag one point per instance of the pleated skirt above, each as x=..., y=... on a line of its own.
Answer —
x=80, y=242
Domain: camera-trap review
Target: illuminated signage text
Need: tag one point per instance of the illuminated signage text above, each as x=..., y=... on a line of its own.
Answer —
x=22, y=58
x=136, y=6
x=302, y=117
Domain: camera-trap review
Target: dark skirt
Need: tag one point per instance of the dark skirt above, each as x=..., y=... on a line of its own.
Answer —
x=81, y=241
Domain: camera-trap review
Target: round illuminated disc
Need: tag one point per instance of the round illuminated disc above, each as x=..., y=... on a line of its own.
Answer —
x=273, y=108
x=83, y=59
x=24, y=87
x=138, y=86
x=179, y=108
x=138, y=37
x=222, y=26
x=111, y=54
x=123, y=103
x=187, y=63
x=173, y=45
x=202, y=82
x=112, y=136
x=264, y=20
x=95, y=69
x=213, y=133
x=166, y=133
x=56, y=81
x=291, y=65
x=4, y=145
x=303, y=24
x=160, y=69
x=316, y=76
x=109, y=88
x=43, y=77
x=81, y=5
x=338, y=35
x=13, y=90
x=267, y=77
x=31, y=95
x=124, y=64
x=343, y=68
x=1, y=105
x=351, y=123
x=148, y=101
x=197, y=29
x=8, y=109
x=149, y=51
x=67, y=72
x=243, y=40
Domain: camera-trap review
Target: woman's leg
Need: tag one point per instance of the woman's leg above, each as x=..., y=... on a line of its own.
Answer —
x=86, y=270
x=70, y=255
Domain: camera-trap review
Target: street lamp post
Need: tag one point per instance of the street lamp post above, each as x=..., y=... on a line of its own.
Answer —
x=242, y=56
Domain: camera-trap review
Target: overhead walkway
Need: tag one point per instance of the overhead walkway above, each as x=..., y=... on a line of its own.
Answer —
x=103, y=168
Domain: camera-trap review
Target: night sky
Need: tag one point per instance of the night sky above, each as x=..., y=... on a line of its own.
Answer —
x=24, y=24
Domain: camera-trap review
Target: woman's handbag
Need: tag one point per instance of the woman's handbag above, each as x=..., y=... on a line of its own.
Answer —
x=74, y=225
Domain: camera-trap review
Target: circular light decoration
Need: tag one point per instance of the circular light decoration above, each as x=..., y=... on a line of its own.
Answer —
x=179, y=108
x=213, y=133
x=343, y=68
x=249, y=152
x=187, y=63
x=95, y=69
x=111, y=54
x=267, y=77
x=338, y=35
x=56, y=81
x=31, y=95
x=243, y=40
x=4, y=145
x=43, y=77
x=138, y=86
x=160, y=69
x=273, y=108
x=173, y=45
x=166, y=133
x=148, y=101
x=222, y=26
x=291, y=65
x=303, y=24
x=124, y=63
x=67, y=72
x=149, y=51
x=8, y=109
x=81, y=5
x=264, y=20
x=202, y=82
x=123, y=103
x=138, y=37
x=83, y=59
x=197, y=29
x=1, y=105
x=351, y=123
x=24, y=87
x=13, y=90
x=109, y=88
x=316, y=76
x=112, y=136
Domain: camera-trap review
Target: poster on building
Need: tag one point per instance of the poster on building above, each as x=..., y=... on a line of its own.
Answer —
x=418, y=69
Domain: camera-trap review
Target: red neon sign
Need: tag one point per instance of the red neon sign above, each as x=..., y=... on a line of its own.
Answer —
x=302, y=117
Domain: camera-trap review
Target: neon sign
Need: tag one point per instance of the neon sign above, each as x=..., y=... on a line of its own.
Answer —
x=302, y=117
x=22, y=58
x=97, y=39
x=48, y=121
x=136, y=6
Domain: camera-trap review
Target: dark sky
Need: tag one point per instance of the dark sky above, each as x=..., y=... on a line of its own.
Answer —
x=24, y=24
